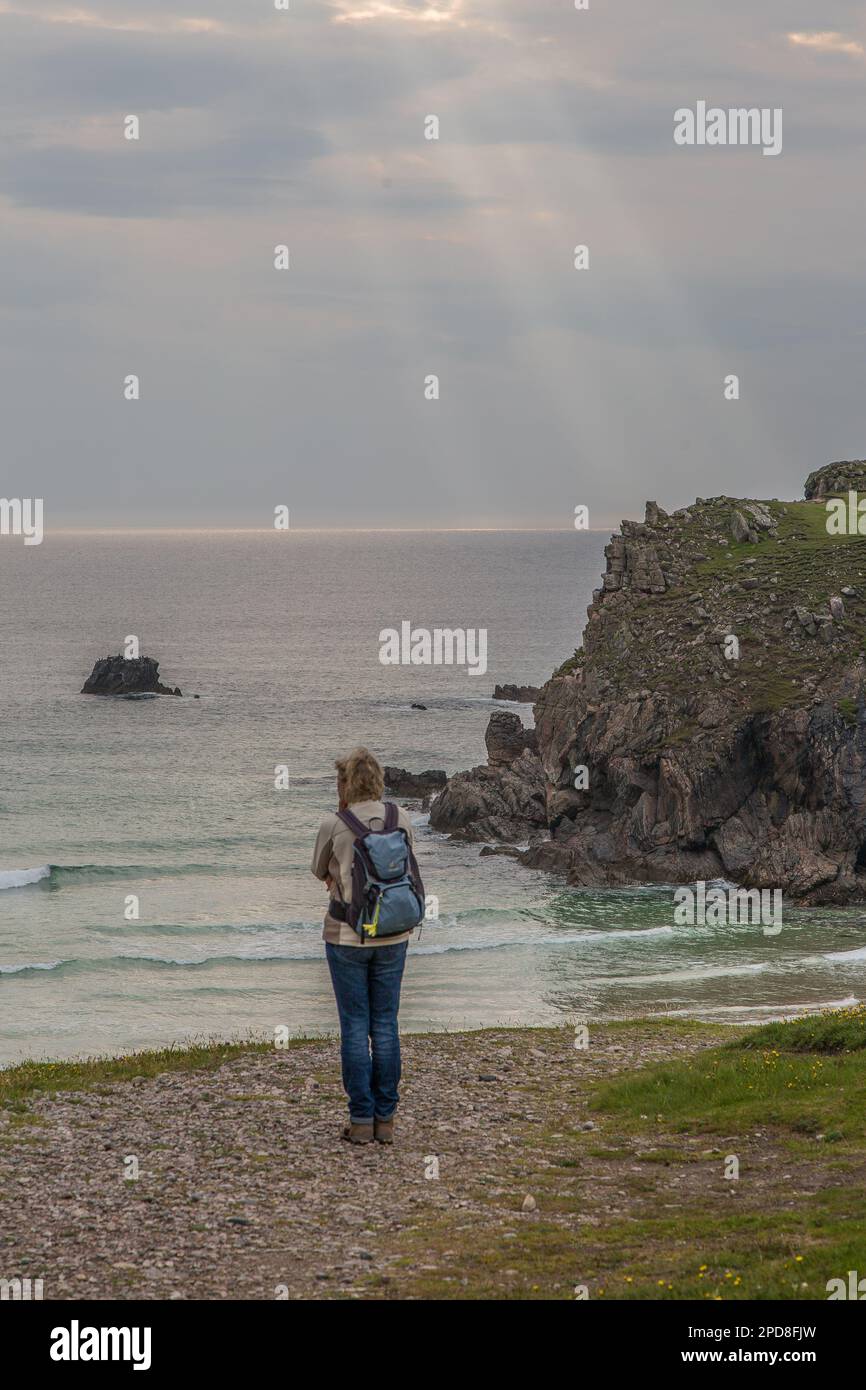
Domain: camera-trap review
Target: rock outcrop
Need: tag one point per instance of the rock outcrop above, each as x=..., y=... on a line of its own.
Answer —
x=837, y=479
x=713, y=723
x=523, y=694
x=415, y=785
x=126, y=676
x=506, y=738
x=504, y=801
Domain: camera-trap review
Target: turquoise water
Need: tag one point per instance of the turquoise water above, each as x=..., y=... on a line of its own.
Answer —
x=174, y=800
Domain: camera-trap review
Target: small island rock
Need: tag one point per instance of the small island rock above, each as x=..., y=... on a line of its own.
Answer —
x=126, y=676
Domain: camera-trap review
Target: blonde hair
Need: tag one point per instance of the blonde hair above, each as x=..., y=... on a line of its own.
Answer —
x=360, y=777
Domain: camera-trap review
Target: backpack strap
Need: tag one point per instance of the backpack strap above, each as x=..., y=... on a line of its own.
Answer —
x=357, y=827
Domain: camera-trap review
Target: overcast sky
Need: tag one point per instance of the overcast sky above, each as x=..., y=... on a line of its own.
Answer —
x=412, y=257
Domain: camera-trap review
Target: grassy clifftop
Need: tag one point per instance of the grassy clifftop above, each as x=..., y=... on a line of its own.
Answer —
x=772, y=593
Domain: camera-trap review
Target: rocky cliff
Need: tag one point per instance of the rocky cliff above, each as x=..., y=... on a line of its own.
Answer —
x=713, y=722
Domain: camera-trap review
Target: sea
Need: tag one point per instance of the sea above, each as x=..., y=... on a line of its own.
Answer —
x=170, y=808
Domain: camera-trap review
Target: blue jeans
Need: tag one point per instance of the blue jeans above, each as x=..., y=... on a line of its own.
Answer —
x=366, y=982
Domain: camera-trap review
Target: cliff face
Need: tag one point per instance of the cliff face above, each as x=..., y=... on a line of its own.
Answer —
x=713, y=723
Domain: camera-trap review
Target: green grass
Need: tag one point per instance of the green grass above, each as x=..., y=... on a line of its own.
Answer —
x=804, y=1077
x=569, y=665
x=839, y=1030
x=798, y=565
x=681, y=1256
x=848, y=710
x=729, y=1091
x=20, y=1083
x=640, y=1207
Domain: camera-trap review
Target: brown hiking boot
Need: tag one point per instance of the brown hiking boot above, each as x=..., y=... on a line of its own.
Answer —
x=358, y=1134
x=384, y=1130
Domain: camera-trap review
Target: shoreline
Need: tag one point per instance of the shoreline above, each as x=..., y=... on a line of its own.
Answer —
x=200, y=1054
x=193, y=1044
x=110, y=1062
x=525, y=1166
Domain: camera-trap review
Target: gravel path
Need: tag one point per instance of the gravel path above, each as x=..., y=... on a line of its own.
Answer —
x=245, y=1190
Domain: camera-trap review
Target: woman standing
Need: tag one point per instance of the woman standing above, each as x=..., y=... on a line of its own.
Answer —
x=366, y=964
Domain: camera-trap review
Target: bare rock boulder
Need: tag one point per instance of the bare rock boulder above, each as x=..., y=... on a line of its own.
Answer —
x=506, y=738
x=126, y=676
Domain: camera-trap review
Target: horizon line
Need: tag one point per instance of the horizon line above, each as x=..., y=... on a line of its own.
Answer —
x=312, y=530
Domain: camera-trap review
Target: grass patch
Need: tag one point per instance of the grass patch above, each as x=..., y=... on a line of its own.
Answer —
x=838, y=1030
x=848, y=710
x=690, y=1254
x=570, y=665
x=804, y=1077
x=643, y=1207
x=28, y=1079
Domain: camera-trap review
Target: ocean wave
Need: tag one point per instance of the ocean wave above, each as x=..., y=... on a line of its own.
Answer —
x=452, y=922
x=790, y=1010
x=54, y=875
x=31, y=966
x=687, y=976
x=141, y=929
x=858, y=954
x=125, y=959
x=562, y=938
x=304, y=945
x=92, y=964
x=20, y=878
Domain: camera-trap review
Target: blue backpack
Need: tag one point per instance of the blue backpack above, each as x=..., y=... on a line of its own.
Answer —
x=387, y=892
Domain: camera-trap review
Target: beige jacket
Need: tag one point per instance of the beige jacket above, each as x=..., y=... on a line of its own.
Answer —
x=332, y=857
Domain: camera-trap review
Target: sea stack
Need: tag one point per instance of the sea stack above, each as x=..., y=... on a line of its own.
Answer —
x=126, y=676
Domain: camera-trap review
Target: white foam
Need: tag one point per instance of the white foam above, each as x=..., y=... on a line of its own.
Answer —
x=19, y=878
x=771, y=1010
x=30, y=965
x=585, y=938
x=711, y=972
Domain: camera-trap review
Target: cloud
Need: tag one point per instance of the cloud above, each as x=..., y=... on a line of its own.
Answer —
x=419, y=12
x=244, y=171
x=828, y=42
x=91, y=19
x=412, y=256
x=77, y=72
x=126, y=16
